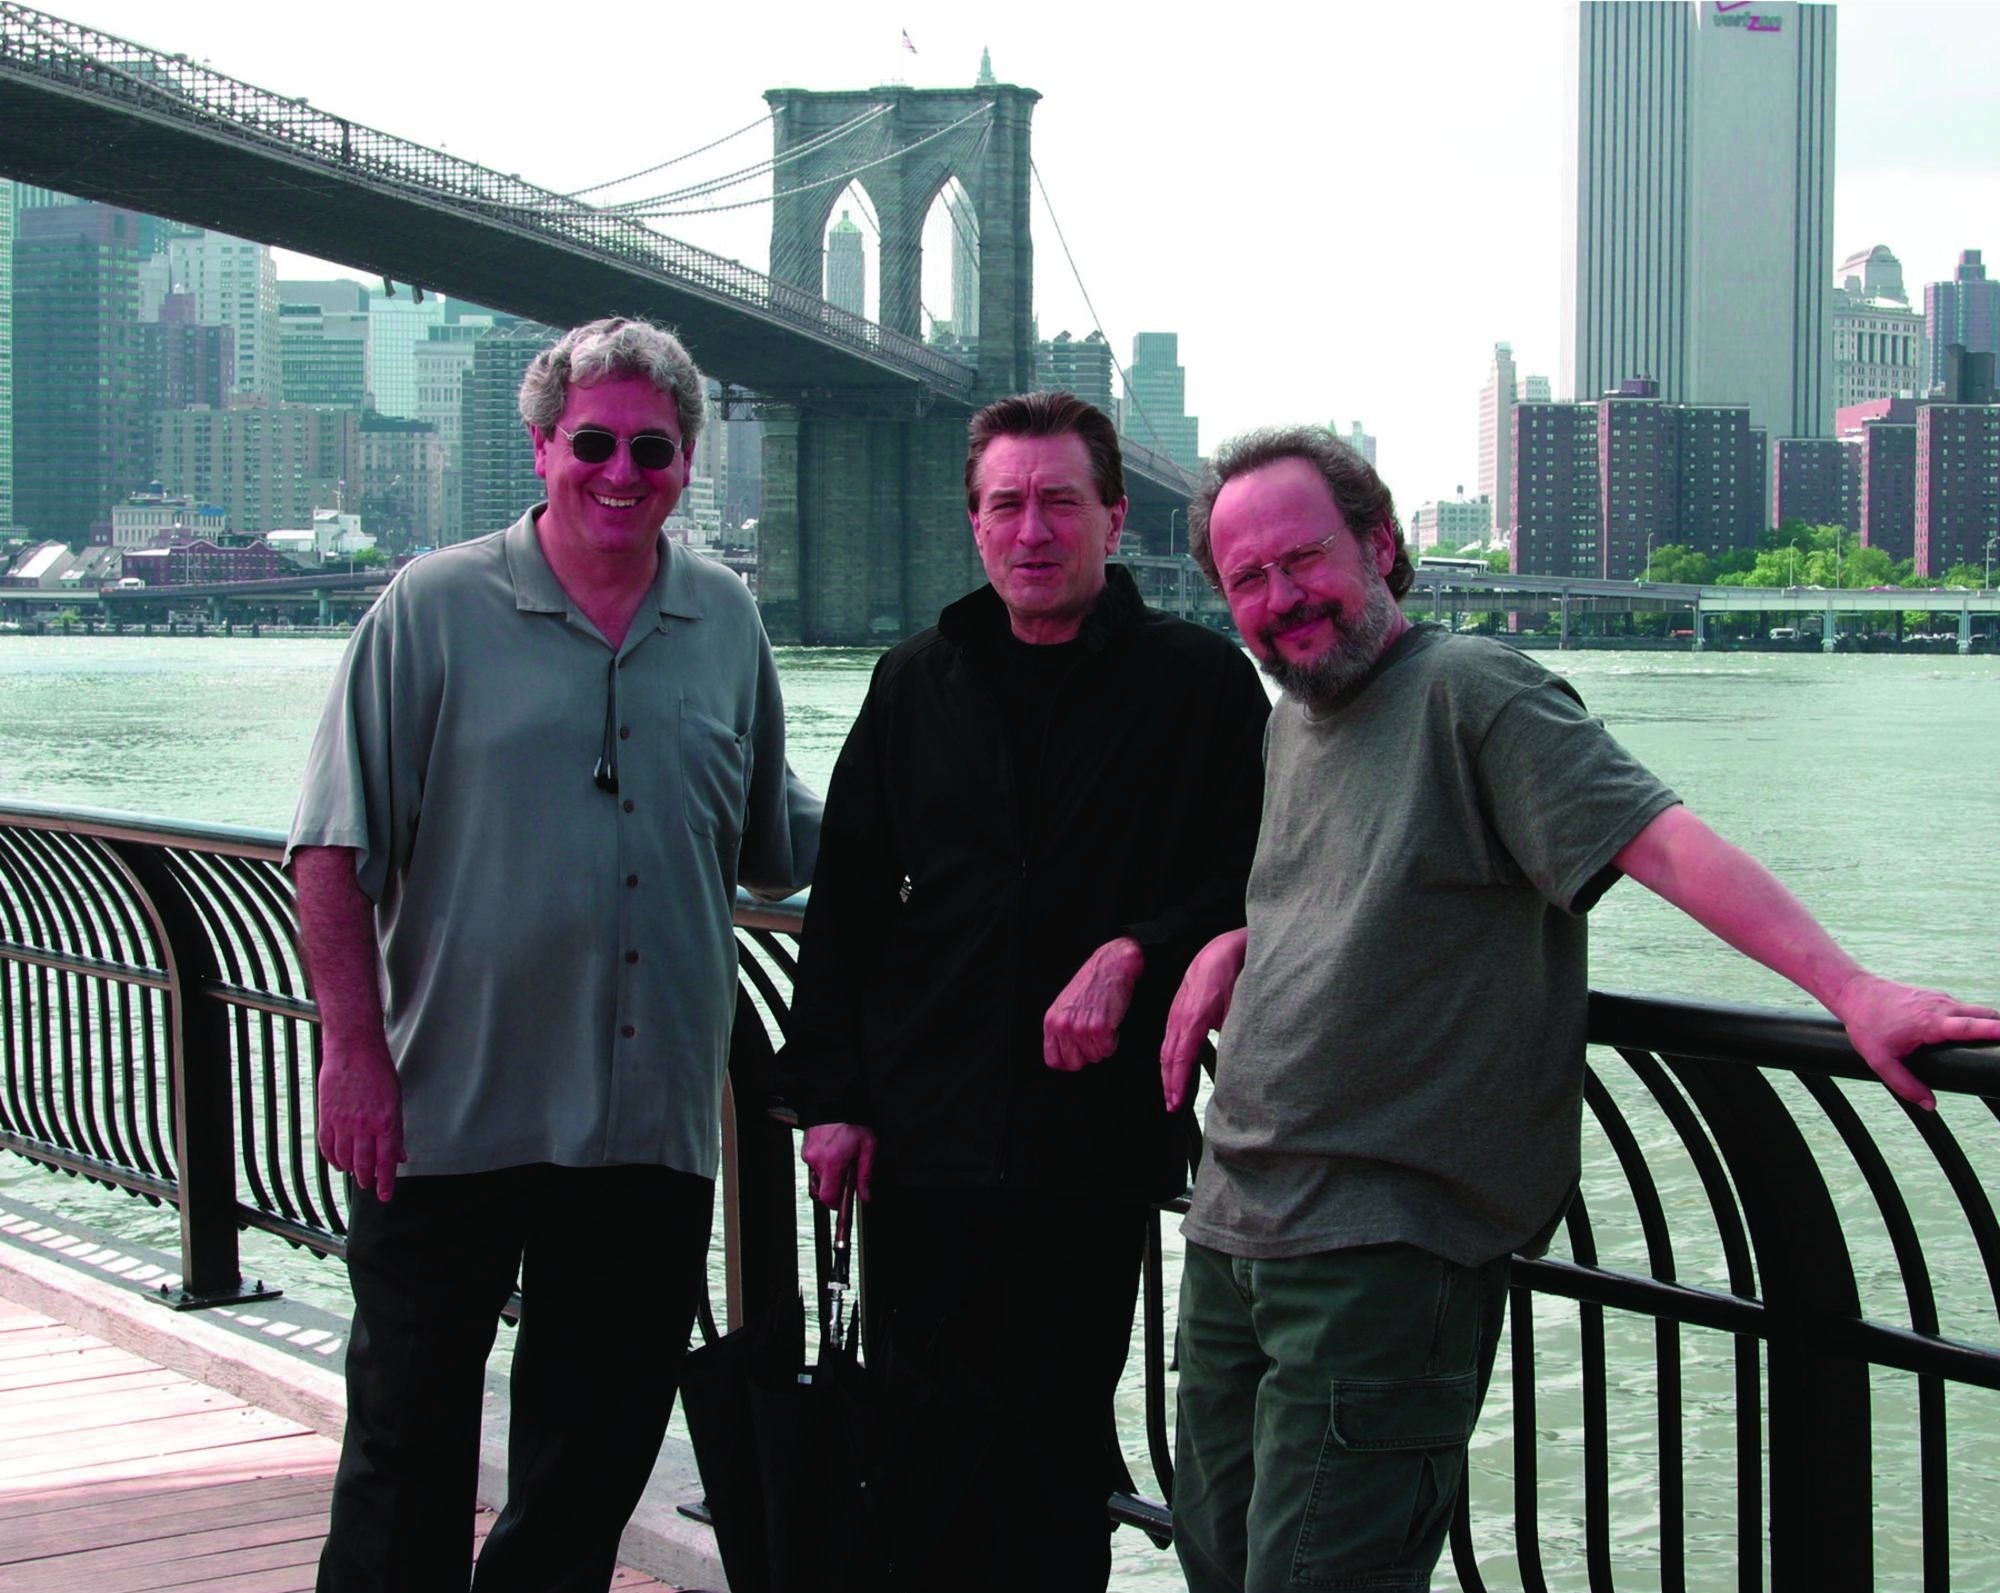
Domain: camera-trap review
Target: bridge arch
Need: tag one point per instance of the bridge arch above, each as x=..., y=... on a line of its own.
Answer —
x=912, y=142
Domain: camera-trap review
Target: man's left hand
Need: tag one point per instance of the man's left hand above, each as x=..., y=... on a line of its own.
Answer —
x=1887, y=1021
x=1082, y=1026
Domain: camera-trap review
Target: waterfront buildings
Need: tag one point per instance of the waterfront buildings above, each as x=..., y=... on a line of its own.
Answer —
x=324, y=355
x=399, y=482
x=1817, y=481
x=1957, y=484
x=498, y=482
x=846, y=267
x=80, y=441
x=234, y=284
x=1505, y=387
x=442, y=360
x=267, y=465
x=1964, y=311
x=395, y=327
x=1699, y=176
x=1449, y=524
x=1886, y=431
x=152, y=516
x=1154, y=413
x=182, y=362
x=1554, y=474
x=1357, y=439
x=1878, y=339
x=1079, y=366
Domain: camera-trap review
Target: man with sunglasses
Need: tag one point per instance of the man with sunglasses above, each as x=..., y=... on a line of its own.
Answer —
x=1047, y=804
x=548, y=759
x=1399, y=1080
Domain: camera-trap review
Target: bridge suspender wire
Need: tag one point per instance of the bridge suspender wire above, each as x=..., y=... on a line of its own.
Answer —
x=840, y=179
x=735, y=178
x=1042, y=189
x=632, y=177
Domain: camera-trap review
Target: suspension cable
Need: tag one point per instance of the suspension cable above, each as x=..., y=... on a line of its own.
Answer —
x=747, y=173
x=1056, y=222
x=630, y=177
x=841, y=179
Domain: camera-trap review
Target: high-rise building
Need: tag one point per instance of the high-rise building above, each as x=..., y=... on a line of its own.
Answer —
x=1449, y=524
x=80, y=439
x=1688, y=475
x=846, y=267
x=1363, y=443
x=1496, y=436
x=442, y=360
x=1886, y=430
x=324, y=354
x=341, y=294
x=6, y=355
x=498, y=478
x=1155, y=411
x=1533, y=390
x=1963, y=311
x=399, y=485
x=1817, y=481
x=1554, y=476
x=1878, y=340
x=1700, y=184
x=235, y=284
x=395, y=328
x=1957, y=484
x=1079, y=366
x=268, y=466
x=182, y=362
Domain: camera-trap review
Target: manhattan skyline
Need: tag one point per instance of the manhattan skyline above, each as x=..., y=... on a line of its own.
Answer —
x=1339, y=214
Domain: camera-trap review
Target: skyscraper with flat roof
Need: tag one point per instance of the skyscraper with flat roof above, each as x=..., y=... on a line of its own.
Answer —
x=846, y=267
x=395, y=328
x=1496, y=436
x=1155, y=412
x=235, y=284
x=1699, y=168
x=1965, y=311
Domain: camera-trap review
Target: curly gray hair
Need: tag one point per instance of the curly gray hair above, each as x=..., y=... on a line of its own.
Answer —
x=605, y=350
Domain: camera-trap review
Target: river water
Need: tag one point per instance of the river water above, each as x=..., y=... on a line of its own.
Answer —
x=1867, y=782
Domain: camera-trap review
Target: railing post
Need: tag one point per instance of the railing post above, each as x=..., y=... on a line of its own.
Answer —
x=204, y=1109
x=1821, y=1452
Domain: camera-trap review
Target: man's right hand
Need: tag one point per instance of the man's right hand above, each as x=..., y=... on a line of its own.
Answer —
x=1200, y=1005
x=837, y=1154
x=361, y=1111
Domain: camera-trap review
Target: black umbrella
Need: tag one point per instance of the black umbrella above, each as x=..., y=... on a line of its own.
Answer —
x=785, y=1447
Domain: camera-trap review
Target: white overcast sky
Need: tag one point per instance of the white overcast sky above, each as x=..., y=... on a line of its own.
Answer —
x=1340, y=207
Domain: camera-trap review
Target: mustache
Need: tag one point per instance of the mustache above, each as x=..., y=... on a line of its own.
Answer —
x=1302, y=614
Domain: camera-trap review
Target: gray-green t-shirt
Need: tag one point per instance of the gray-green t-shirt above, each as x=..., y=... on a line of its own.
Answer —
x=1403, y=1058
x=559, y=960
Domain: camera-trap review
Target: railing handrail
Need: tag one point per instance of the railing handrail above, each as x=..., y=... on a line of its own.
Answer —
x=118, y=929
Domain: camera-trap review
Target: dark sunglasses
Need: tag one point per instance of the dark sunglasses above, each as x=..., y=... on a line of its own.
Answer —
x=592, y=445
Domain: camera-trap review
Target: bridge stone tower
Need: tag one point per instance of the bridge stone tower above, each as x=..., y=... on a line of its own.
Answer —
x=864, y=536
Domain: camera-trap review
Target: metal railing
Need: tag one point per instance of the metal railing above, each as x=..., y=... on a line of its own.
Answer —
x=175, y=88
x=1754, y=1242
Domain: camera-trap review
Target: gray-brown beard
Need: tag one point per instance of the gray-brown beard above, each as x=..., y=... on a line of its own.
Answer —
x=1358, y=642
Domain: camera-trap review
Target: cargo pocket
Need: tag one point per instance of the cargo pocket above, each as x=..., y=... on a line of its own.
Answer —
x=1388, y=1474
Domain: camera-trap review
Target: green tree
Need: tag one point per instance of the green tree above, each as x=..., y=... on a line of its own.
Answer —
x=1681, y=565
x=1498, y=561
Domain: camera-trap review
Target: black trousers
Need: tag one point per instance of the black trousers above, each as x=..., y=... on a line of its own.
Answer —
x=999, y=1321
x=610, y=1261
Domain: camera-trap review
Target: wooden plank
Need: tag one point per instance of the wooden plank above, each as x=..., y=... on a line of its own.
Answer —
x=23, y=1405
x=128, y=1566
x=232, y=1423
x=13, y=1316
x=260, y=1456
x=99, y=1409
x=125, y=1511
x=68, y=1366
x=26, y=1341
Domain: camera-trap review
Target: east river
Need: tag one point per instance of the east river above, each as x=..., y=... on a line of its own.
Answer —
x=1869, y=783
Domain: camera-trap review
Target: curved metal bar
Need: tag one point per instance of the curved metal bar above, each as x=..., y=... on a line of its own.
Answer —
x=68, y=858
x=1527, y=1491
x=1596, y=1408
x=1967, y=1185
x=52, y=1090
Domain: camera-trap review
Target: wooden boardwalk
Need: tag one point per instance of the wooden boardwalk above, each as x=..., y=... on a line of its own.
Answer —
x=116, y=1476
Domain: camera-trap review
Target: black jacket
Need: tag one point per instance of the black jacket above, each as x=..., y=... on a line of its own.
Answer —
x=938, y=933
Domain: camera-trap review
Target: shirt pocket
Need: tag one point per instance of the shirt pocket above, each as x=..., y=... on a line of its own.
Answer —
x=715, y=774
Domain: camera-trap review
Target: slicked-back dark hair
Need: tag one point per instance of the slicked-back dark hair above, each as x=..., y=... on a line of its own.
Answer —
x=1047, y=415
x=1358, y=492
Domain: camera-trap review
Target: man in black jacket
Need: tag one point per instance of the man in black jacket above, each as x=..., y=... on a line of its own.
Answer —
x=1047, y=805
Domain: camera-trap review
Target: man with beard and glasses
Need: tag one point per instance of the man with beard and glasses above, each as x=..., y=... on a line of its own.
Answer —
x=1399, y=1080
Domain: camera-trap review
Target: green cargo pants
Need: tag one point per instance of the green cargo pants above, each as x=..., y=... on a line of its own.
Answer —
x=1325, y=1405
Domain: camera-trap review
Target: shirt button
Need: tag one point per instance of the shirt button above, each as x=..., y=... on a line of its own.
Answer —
x=631, y=881
x=631, y=956
x=628, y=804
x=628, y=1031
x=624, y=732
